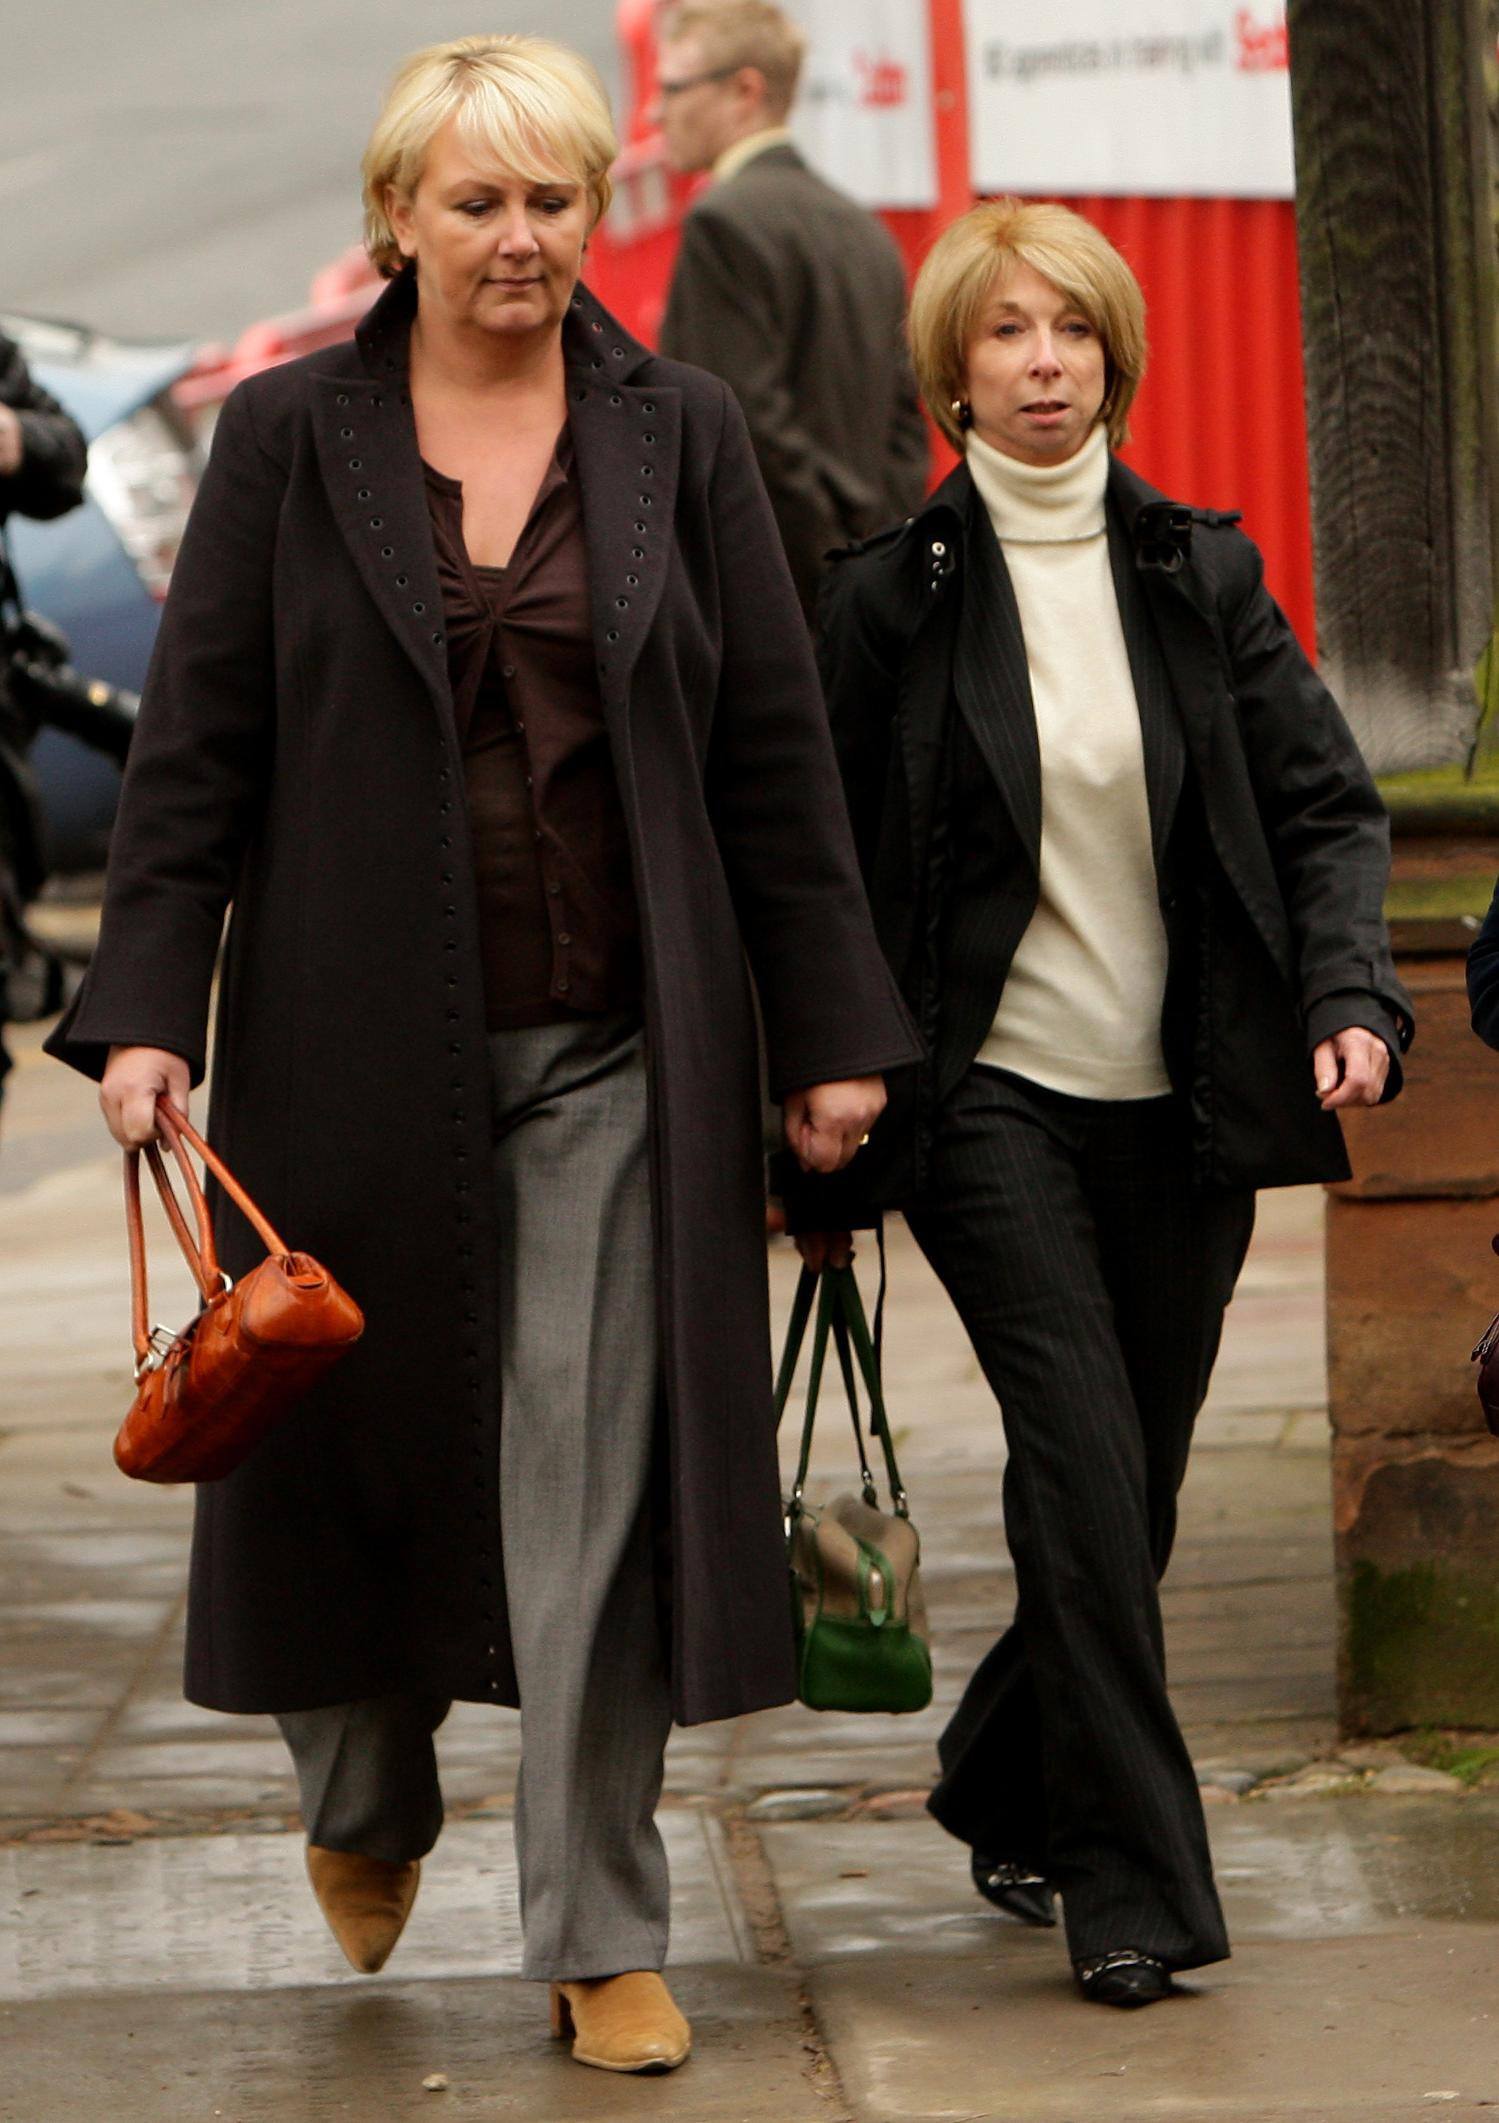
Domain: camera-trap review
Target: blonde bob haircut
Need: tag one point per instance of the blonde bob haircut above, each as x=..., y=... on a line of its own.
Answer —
x=736, y=33
x=524, y=104
x=978, y=253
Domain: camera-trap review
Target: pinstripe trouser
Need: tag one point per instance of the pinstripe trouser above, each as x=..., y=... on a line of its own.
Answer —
x=1091, y=1274
x=579, y=1378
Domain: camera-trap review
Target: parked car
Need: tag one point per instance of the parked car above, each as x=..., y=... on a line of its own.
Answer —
x=101, y=572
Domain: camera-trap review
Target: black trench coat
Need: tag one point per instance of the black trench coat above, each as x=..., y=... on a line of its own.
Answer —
x=296, y=753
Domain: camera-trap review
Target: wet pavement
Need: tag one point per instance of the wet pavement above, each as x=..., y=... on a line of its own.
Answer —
x=160, y=1956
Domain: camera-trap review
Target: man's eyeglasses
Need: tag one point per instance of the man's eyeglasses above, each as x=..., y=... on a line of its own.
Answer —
x=667, y=89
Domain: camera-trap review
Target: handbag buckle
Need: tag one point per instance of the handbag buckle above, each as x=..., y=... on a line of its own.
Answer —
x=162, y=1341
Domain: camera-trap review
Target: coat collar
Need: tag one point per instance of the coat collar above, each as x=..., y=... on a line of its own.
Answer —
x=593, y=342
x=991, y=679
x=627, y=446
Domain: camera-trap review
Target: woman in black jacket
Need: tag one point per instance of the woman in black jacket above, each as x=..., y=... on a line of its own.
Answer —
x=1128, y=867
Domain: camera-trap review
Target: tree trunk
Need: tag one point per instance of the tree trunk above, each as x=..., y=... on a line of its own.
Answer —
x=1395, y=216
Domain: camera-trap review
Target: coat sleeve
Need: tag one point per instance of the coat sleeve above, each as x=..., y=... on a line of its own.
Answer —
x=829, y=1003
x=1328, y=831
x=861, y=684
x=1483, y=975
x=724, y=315
x=54, y=455
x=198, y=769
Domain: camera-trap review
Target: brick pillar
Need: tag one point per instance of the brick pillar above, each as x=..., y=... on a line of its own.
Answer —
x=1411, y=1283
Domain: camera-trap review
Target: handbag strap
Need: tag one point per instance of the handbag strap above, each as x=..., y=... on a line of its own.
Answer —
x=198, y=1248
x=830, y=1292
x=856, y=1326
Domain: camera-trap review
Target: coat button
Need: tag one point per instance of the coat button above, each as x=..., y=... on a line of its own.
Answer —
x=938, y=547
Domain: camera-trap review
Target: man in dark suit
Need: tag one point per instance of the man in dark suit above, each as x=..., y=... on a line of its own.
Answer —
x=786, y=288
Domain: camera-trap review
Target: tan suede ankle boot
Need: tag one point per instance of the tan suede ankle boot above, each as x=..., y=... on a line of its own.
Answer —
x=622, y=2023
x=366, y=1901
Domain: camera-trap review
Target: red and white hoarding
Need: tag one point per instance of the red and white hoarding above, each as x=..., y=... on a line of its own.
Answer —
x=1167, y=99
x=865, y=115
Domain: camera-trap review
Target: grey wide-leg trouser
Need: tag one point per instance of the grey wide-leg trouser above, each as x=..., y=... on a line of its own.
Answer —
x=579, y=1377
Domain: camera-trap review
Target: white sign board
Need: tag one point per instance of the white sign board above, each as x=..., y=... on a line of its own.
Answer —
x=863, y=115
x=1167, y=98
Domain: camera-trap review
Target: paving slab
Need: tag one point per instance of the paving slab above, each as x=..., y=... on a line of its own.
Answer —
x=150, y=1915
x=361, y=2049
x=1348, y=1916
x=1328, y=2031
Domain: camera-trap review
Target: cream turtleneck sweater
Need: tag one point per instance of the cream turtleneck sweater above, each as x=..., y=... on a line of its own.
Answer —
x=1081, y=1009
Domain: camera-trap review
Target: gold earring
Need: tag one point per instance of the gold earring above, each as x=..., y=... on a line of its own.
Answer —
x=962, y=412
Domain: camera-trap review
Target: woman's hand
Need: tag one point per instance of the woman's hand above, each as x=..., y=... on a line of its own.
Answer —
x=133, y=1077
x=1350, y=1068
x=826, y=1123
x=825, y=1249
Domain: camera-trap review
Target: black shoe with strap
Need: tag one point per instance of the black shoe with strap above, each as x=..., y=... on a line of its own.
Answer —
x=1126, y=1978
x=1015, y=1889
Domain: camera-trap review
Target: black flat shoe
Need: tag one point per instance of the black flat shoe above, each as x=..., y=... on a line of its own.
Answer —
x=1126, y=1979
x=1017, y=1891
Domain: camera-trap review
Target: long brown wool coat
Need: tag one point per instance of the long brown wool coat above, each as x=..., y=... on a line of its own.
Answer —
x=296, y=754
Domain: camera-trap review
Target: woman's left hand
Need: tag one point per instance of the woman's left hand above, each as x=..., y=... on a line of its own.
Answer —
x=826, y=1123
x=1350, y=1069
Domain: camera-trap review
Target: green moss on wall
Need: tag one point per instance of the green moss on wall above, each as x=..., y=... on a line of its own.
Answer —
x=1421, y=1647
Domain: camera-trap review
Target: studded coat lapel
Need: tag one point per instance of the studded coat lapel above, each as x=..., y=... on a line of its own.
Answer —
x=626, y=445
x=371, y=465
x=626, y=448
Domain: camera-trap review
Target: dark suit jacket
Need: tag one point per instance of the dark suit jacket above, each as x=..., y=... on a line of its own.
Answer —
x=796, y=297
x=1271, y=842
x=297, y=753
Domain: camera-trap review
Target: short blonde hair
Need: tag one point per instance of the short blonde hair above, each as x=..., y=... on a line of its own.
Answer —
x=960, y=273
x=735, y=33
x=534, y=107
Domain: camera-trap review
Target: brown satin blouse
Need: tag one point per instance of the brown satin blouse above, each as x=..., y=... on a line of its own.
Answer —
x=559, y=932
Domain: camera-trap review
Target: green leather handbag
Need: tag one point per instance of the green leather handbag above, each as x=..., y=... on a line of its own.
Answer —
x=856, y=1599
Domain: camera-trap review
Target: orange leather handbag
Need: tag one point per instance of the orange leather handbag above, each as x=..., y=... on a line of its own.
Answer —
x=205, y=1398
